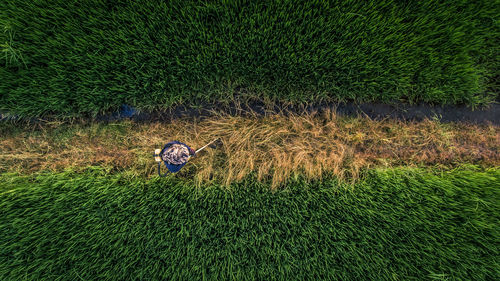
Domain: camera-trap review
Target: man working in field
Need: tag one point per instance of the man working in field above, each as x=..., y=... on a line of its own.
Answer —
x=176, y=154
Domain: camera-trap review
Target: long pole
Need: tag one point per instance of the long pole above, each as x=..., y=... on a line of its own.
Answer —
x=205, y=146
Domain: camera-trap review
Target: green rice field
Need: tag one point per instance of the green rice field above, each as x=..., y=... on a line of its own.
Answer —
x=395, y=224
x=67, y=58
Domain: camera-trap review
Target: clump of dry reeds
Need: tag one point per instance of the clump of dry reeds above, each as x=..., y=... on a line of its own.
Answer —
x=277, y=147
x=274, y=147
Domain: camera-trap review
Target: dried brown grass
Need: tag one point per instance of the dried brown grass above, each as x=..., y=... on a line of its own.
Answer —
x=275, y=147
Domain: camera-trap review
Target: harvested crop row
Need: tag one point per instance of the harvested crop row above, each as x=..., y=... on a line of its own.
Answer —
x=274, y=147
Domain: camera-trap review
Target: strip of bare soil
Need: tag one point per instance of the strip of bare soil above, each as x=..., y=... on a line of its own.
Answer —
x=377, y=111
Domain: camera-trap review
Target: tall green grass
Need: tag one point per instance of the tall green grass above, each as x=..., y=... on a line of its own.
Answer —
x=74, y=58
x=404, y=224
